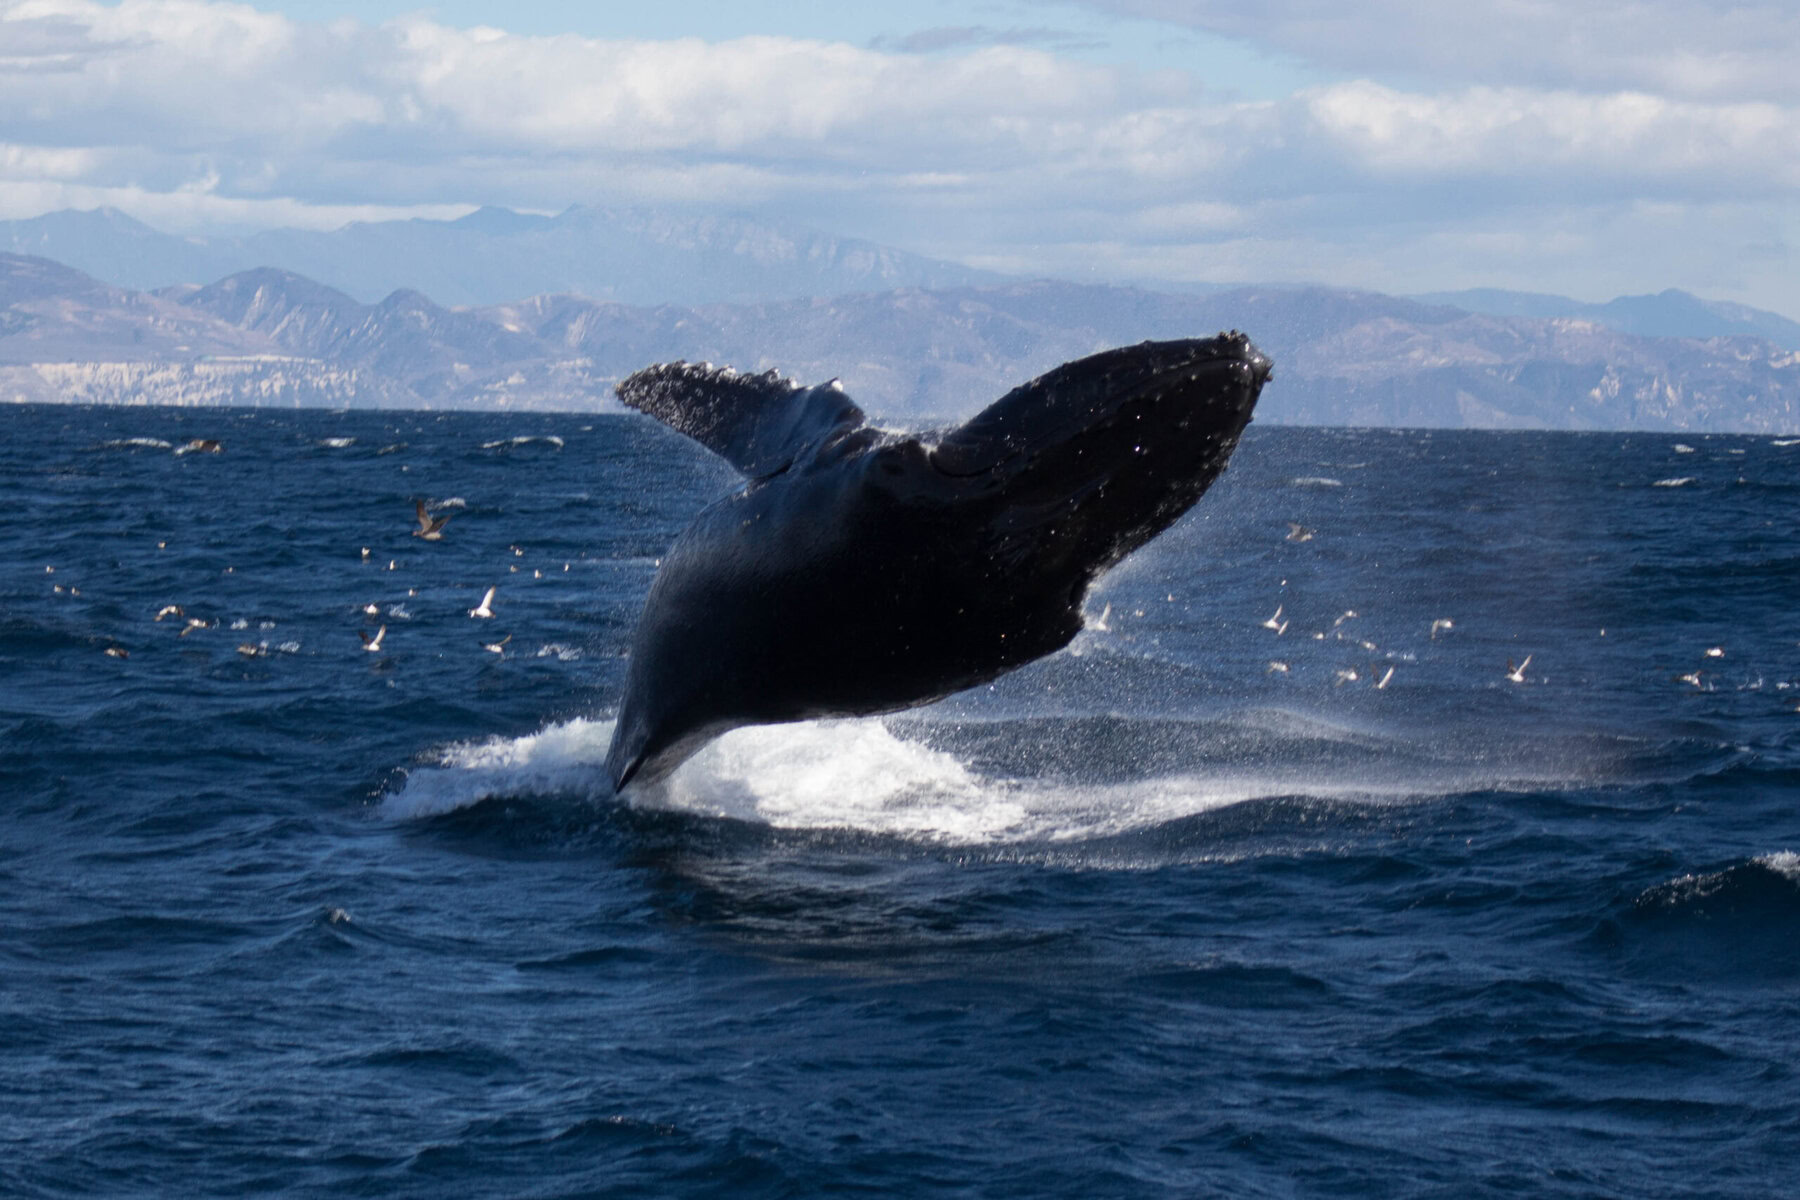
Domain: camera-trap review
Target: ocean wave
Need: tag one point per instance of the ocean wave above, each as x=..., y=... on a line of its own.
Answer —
x=1316, y=481
x=513, y=443
x=1762, y=887
x=136, y=443
x=1678, y=481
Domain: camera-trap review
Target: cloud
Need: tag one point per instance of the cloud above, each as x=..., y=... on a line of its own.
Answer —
x=186, y=112
x=956, y=37
x=1694, y=49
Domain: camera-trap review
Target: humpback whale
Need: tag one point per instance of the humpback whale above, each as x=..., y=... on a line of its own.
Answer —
x=861, y=571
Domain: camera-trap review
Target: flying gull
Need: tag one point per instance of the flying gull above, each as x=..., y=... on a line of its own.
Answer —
x=430, y=528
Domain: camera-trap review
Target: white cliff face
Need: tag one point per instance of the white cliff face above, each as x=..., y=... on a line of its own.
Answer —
x=257, y=383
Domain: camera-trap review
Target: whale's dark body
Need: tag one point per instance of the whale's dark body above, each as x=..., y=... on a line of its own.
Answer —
x=861, y=571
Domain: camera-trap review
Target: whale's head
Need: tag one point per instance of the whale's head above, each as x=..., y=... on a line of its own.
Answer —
x=1085, y=464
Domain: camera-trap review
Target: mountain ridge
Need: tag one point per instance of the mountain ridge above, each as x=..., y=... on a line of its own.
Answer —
x=269, y=336
x=643, y=256
x=492, y=255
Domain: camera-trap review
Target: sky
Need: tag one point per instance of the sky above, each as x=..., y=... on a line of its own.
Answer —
x=1595, y=149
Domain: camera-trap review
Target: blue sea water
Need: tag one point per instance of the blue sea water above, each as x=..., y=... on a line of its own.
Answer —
x=1195, y=907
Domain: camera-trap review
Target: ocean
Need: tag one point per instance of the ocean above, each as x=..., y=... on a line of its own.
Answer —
x=1419, y=817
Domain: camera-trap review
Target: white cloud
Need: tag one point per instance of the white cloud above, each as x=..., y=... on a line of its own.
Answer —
x=1646, y=140
x=185, y=112
x=1697, y=49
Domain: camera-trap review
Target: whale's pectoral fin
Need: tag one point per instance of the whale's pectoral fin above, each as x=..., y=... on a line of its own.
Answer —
x=758, y=423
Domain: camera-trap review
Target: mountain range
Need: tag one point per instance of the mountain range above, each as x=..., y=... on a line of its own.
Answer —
x=1669, y=313
x=492, y=255
x=273, y=337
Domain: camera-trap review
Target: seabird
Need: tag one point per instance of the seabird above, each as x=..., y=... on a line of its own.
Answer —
x=485, y=608
x=1716, y=652
x=430, y=528
x=1348, y=613
x=1101, y=623
x=1298, y=532
x=1276, y=667
x=193, y=623
x=1517, y=674
x=372, y=644
x=1347, y=675
x=1441, y=624
x=117, y=652
x=1692, y=677
x=497, y=647
x=1384, y=679
x=1275, y=622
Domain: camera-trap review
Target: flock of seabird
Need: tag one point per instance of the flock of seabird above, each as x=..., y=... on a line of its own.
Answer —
x=430, y=528
x=1278, y=623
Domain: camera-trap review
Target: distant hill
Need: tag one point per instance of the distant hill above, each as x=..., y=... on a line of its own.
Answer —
x=633, y=256
x=1670, y=313
x=269, y=336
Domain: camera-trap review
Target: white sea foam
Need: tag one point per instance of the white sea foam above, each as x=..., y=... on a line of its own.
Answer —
x=1785, y=442
x=1682, y=448
x=1783, y=862
x=1681, y=481
x=337, y=443
x=1317, y=481
x=856, y=775
x=134, y=443
x=564, y=759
